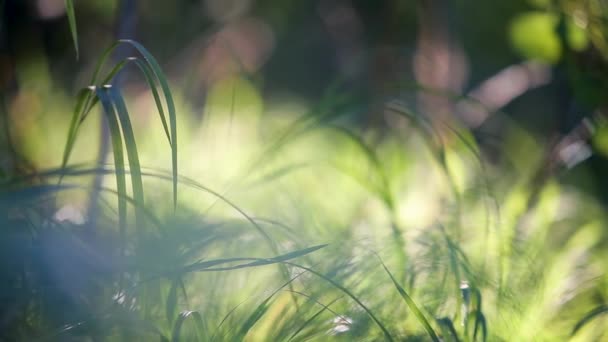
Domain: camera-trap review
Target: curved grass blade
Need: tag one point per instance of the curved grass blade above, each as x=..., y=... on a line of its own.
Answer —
x=447, y=327
x=10, y=197
x=593, y=314
x=198, y=320
x=160, y=76
x=313, y=317
x=83, y=97
x=206, y=265
x=224, y=320
x=479, y=320
x=195, y=185
x=69, y=9
x=90, y=103
x=150, y=80
x=387, y=334
x=16, y=197
x=132, y=155
x=117, y=146
x=267, y=238
x=160, y=175
x=171, y=305
x=156, y=70
x=412, y=305
x=260, y=310
x=255, y=316
x=148, y=75
x=383, y=190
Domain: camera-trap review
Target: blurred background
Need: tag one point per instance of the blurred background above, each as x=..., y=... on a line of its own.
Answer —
x=464, y=141
x=537, y=64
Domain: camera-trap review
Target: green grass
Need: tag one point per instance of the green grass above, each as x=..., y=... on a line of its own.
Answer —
x=308, y=229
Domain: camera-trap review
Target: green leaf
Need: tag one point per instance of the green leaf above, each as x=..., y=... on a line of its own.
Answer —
x=152, y=71
x=449, y=332
x=477, y=320
x=206, y=266
x=412, y=305
x=69, y=8
x=148, y=74
x=117, y=146
x=83, y=97
x=313, y=317
x=387, y=334
x=170, y=107
x=132, y=155
x=255, y=316
x=171, y=305
x=593, y=314
x=198, y=321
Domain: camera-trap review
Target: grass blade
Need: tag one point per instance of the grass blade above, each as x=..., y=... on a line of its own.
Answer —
x=160, y=76
x=148, y=75
x=261, y=309
x=382, y=187
x=412, y=305
x=83, y=97
x=206, y=265
x=314, y=316
x=150, y=80
x=600, y=310
x=132, y=155
x=198, y=320
x=224, y=319
x=447, y=327
x=479, y=321
x=117, y=146
x=255, y=316
x=69, y=9
x=387, y=334
x=171, y=305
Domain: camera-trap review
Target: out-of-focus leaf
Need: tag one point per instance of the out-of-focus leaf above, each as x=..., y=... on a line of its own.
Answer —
x=69, y=8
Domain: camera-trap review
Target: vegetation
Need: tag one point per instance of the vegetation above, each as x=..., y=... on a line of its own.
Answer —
x=283, y=221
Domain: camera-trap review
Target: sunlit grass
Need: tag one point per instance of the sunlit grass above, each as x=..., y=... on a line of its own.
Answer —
x=292, y=226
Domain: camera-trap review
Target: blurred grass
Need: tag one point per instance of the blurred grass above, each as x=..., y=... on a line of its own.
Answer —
x=257, y=190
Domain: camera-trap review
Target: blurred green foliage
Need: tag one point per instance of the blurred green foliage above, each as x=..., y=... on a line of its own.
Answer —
x=348, y=170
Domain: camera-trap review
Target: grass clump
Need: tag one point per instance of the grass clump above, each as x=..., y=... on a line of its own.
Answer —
x=312, y=228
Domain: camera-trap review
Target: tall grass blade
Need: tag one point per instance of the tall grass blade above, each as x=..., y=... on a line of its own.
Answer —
x=313, y=317
x=255, y=316
x=593, y=314
x=206, y=266
x=149, y=76
x=412, y=305
x=132, y=155
x=171, y=306
x=479, y=321
x=387, y=334
x=449, y=332
x=383, y=189
x=83, y=97
x=224, y=319
x=117, y=148
x=160, y=76
x=150, y=80
x=69, y=9
x=260, y=310
x=153, y=68
x=198, y=321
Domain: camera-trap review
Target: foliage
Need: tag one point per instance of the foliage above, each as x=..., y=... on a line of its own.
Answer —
x=310, y=226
